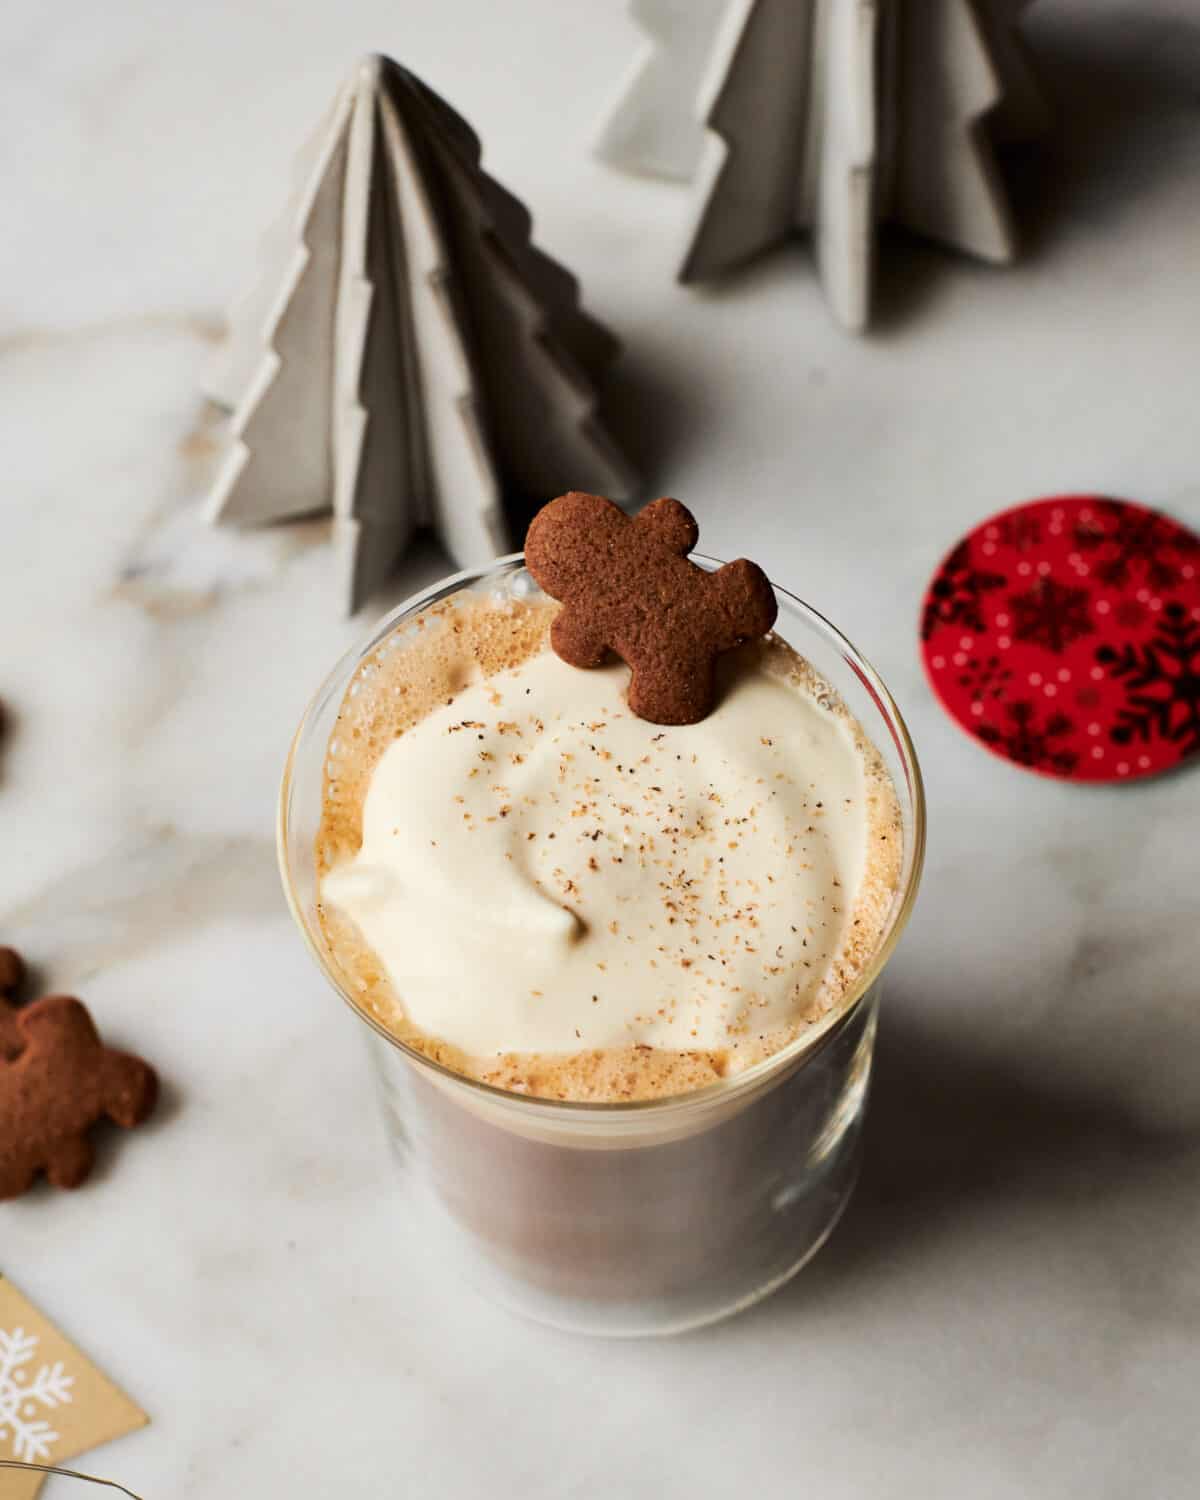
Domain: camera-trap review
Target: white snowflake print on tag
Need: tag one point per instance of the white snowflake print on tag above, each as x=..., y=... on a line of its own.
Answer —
x=31, y=1436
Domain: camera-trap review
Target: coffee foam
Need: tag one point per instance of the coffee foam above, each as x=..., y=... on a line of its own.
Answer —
x=425, y=666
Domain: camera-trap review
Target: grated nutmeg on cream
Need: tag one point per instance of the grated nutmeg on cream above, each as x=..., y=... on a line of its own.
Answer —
x=551, y=894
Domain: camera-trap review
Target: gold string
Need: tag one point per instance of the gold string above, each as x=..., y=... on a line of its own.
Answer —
x=12, y=1463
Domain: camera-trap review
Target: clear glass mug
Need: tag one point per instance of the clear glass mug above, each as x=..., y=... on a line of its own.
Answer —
x=640, y=1217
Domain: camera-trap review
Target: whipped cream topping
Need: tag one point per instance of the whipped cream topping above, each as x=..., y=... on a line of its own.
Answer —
x=542, y=872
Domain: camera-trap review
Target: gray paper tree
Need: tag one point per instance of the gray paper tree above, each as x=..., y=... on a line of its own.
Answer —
x=828, y=116
x=407, y=357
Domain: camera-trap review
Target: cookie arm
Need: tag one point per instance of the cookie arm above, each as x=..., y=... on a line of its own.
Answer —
x=131, y=1089
x=746, y=600
x=69, y=1161
x=670, y=524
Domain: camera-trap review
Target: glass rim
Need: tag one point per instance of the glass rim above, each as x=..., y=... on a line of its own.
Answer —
x=757, y=1074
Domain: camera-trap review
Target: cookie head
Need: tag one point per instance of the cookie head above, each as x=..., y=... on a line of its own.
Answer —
x=570, y=540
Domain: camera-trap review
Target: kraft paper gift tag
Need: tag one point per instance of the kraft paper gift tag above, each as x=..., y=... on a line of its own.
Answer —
x=54, y=1403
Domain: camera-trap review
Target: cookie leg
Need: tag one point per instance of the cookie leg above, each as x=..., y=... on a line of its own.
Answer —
x=577, y=640
x=70, y=1162
x=681, y=695
x=16, y=1176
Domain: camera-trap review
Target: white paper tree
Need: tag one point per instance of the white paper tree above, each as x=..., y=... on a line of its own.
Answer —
x=652, y=126
x=828, y=116
x=407, y=358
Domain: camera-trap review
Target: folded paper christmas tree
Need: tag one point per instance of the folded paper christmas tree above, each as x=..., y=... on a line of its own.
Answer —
x=407, y=358
x=828, y=116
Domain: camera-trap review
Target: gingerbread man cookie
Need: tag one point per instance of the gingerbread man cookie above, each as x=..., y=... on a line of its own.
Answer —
x=57, y=1079
x=626, y=585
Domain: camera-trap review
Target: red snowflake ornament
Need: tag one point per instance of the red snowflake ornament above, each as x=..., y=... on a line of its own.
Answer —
x=1065, y=636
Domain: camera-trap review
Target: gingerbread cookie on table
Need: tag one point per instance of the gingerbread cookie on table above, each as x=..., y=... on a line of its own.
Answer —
x=57, y=1080
x=626, y=585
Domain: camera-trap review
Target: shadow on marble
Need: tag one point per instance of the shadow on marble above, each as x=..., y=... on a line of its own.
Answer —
x=910, y=275
x=1126, y=102
x=952, y=1131
x=425, y=561
x=654, y=410
x=9, y=723
x=110, y=1141
x=1125, y=107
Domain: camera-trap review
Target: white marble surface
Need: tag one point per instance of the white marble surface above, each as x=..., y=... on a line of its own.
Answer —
x=1012, y=1306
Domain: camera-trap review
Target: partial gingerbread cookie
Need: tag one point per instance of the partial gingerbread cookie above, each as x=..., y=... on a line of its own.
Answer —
x=626, y=585
x=12, y=976
x=61, y=1082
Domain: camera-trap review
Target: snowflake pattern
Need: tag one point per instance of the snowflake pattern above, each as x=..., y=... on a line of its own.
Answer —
x=986, y=678
x=1127, y=539
x=1051, y=615
x=1162, y=683
x=1020, y=532
x=956, y=596
x=21, y=1399
x=1064, y=635
x=1029, y=744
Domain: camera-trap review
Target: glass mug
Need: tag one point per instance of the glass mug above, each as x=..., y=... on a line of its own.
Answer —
x=649, y=1216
